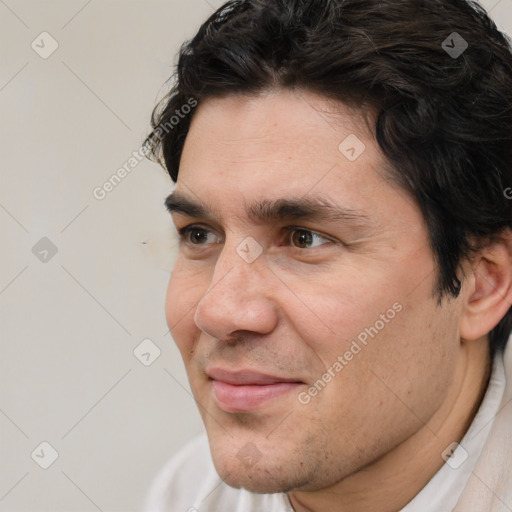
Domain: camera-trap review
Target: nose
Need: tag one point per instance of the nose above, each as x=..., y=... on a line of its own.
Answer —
x=239, y=298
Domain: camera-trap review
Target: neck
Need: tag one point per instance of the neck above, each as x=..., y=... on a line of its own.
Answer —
x=389, y=483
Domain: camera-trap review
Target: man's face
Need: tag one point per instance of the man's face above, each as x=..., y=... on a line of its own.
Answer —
x=313, y=345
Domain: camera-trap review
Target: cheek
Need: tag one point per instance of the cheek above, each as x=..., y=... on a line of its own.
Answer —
x=408, y=365
x=344, y=308
x=382, y=324
x=184, y=291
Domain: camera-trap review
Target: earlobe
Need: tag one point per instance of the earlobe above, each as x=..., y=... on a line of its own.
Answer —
x=488, y=288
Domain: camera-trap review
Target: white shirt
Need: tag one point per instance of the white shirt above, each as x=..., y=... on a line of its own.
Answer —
x=189, y=482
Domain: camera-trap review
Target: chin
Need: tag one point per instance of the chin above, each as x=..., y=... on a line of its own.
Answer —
x=269, y=468
x=260, y=478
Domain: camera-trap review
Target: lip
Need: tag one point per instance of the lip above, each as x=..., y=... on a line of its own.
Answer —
x=244, y=391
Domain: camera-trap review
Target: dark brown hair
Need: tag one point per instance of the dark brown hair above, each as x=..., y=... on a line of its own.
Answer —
x=444, y=111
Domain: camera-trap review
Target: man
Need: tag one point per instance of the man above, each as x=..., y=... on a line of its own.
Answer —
x=341, y=293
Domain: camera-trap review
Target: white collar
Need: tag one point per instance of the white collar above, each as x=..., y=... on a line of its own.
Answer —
x=445, y=488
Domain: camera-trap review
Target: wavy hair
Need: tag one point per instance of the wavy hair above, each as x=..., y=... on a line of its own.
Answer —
x=444, y=121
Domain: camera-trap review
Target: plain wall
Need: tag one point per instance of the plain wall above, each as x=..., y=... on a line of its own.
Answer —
x=70, y=321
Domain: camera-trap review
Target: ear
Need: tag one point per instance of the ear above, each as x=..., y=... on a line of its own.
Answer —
x=489, y=288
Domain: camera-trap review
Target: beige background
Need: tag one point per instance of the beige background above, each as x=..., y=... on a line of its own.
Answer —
x=69, y=322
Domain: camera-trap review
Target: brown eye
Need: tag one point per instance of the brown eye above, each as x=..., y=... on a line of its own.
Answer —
x=302, y=238
x=305, y=238
x=196, y=235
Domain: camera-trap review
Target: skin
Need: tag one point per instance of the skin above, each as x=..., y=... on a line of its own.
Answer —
x=374, y=435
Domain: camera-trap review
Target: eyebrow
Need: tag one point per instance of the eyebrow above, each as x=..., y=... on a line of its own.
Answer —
x=273, y=210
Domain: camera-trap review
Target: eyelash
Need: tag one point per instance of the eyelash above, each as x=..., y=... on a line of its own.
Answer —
x=185, y=231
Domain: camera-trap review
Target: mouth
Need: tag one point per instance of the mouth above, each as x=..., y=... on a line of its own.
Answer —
x=245, y=391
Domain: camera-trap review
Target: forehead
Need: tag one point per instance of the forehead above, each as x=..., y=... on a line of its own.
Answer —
x=286, y=123
x=282, y=144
